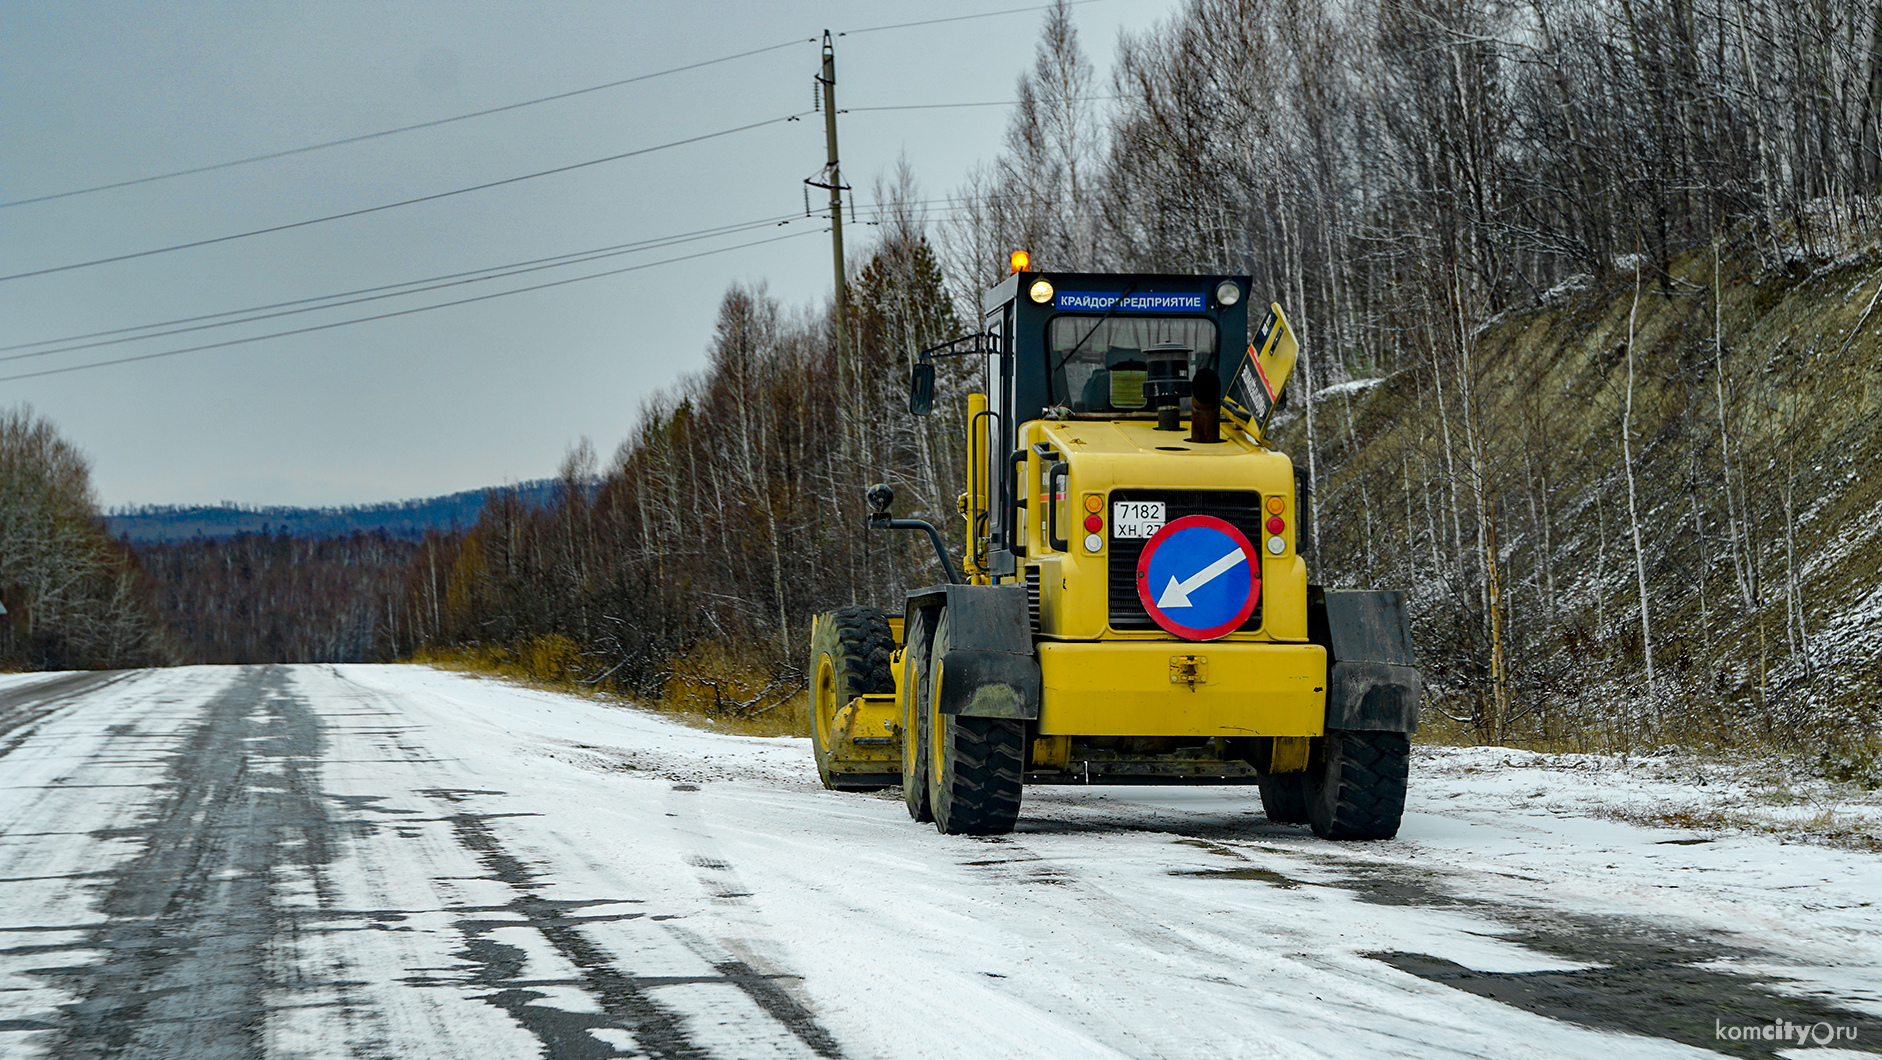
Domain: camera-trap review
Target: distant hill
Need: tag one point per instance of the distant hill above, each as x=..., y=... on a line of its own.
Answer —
x=400, y=519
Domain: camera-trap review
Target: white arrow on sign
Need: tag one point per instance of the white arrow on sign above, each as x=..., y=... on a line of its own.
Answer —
x=1177, y=594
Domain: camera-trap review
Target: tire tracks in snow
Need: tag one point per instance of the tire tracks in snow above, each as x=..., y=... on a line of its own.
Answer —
x=624, y=998
x=189, y=923
x=24, y=709
x=628, y=1001
x=1634, y=976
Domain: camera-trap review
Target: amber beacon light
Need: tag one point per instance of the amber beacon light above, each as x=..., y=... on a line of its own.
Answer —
x=1020, y=261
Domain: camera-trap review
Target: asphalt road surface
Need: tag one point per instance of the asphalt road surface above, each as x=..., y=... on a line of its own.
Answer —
x=317, y=861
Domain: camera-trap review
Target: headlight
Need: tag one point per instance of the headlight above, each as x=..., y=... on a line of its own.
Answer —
x=1226, y=293
x=1041, y=291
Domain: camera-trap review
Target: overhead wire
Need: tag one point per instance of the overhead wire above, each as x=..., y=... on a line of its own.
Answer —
x=401, y=129
x=390, y=290
x=870, y=212
x=963, y=18
x=989, y=103
x=404, y=202
x=397, y=313
x=520, y=104
x=488, y=184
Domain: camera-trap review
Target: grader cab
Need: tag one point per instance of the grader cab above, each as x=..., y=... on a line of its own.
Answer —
x=1131, y=604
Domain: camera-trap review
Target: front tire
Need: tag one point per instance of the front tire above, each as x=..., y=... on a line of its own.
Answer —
x=849, y=657
x=915, y=736
x=975, y=764
x=1359, y=791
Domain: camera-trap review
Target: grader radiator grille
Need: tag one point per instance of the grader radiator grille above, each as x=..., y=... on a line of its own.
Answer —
x=1239, y=508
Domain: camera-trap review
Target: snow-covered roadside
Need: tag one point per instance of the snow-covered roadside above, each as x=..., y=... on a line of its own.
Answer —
x=1712, y=796
x=1670, y=839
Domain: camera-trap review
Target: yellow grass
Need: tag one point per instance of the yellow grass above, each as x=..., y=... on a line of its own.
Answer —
x=716, y=686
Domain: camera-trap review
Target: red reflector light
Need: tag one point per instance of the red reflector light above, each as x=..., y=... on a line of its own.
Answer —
x=1094, y=523
x=1276, y=524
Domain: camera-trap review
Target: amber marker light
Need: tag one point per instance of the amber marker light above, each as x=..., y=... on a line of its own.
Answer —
x=1020, y=261
x=1093, y=502
x=1275, y=505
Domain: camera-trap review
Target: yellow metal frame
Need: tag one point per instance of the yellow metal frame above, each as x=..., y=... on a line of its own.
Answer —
x=1126, y=688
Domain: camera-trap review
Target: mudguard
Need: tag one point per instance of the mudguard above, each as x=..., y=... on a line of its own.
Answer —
x=1372, y=678
x=990, y=670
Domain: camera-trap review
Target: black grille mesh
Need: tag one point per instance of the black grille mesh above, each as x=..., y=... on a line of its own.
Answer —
x=1239, y=508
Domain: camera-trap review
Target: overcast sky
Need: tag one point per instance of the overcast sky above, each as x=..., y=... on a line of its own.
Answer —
x=462, y=397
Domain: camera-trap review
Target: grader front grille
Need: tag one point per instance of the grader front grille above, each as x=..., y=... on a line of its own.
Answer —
x=1240, y=508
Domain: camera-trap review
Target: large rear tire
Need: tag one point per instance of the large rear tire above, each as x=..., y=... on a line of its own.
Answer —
x=849, y=657
x=915, y=735
x=1359, y=790
x=975, y=764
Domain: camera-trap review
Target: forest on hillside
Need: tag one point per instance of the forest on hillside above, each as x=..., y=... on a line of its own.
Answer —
x=278, y=597
x=71, y=596
x=74, y=597
x=1419, y=182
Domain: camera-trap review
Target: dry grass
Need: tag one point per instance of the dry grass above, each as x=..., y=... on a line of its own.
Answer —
x=1827, y=828
x=715, y=687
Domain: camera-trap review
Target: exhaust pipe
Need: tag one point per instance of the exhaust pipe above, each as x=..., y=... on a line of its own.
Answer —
x=1205, y=407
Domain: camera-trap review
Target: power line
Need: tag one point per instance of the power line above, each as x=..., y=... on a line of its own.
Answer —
x=434, y=123
x=990, y=103
x=964, y=18
x=334, y=300
x=401, y=129
x=415, y=287
x=493, y=271
x=395, y=313
x=404, y=202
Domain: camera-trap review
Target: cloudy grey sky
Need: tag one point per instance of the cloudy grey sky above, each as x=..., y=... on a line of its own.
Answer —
x=457, y=398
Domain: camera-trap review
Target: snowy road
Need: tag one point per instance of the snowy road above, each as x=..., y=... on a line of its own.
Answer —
x=364, y=861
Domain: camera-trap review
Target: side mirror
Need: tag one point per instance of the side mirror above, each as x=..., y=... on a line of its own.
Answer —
x=921, y=389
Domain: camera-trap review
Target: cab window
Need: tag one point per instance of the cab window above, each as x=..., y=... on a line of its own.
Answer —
x=1105, y=371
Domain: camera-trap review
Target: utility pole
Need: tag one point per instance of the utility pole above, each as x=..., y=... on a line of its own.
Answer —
x=832, y=178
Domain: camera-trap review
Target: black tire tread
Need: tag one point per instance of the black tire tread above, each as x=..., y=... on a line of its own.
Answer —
x=865, y=642
x=1284, y=797
x=915, y=732
x=1361, y=793
x=980, y=794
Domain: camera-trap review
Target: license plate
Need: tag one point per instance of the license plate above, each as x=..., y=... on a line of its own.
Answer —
x=1137, y=519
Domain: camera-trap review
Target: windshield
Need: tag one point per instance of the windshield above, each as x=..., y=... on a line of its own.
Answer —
x=1107, y=372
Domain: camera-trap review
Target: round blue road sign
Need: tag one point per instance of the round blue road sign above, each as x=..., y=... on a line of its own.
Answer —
x=1199, y=578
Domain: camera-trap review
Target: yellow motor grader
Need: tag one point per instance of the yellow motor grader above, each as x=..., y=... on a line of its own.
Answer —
x=1131, y=605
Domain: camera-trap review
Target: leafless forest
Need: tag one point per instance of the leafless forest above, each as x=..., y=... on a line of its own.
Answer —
x=1584, y=289
x=72, y=596
x=272, y=597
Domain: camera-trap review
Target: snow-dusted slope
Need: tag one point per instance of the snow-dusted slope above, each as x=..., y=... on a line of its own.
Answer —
x=394, y=861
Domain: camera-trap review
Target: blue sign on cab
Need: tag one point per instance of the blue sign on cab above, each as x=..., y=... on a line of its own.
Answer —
x=1101, y=301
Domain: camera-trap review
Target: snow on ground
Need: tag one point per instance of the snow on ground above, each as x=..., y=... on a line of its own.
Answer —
x=1711, y=796
x=683, y=867
x=1351, y=386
